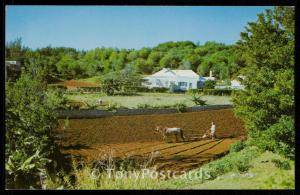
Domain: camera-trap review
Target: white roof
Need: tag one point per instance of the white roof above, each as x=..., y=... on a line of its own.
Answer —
x=185, y=73
x=13, y=62
x=166, y=72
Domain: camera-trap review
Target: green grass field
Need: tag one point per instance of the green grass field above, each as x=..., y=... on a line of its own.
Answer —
x=263, y=174
x=153, y=99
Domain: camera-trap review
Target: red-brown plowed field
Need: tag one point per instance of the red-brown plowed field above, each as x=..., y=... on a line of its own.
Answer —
x=74, y=84
x=134, y=136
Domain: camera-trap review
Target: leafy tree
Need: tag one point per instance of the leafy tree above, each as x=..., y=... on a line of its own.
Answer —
x=15, y=50
x=90, y=63
x=142, y=66
x=191, y=61
x=69, y=63
x=68, y=67
x=203, y=68
x=125, y=82
x=144, y=53
x=30, y=119
x=170, y=61
x=268, y=47
x=133, y=55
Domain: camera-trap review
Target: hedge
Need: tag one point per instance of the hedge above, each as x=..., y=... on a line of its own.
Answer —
x=220, y=92
x=154, y=89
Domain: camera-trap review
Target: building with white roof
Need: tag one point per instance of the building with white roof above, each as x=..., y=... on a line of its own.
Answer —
x=12, y=66
x=236, y=83
x=181, y=79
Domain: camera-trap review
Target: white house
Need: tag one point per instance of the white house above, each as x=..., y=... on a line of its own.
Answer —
x=182, y=79
x=236, y=83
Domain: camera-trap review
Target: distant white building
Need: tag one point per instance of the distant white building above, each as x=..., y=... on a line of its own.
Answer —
x=182, y=79
x=236, y=83
x=16, y=65
x=12, y=65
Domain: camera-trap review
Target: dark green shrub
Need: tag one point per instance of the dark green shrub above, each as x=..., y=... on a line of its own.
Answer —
x=143, y=89
x=238, y=161
x=238, y=146
x=181, y=107
x=152, y=90
x=124, y=81
x=278, y=138
x=220, y=92
x=285, y=165
x=30, y=118
x=217, y=91
x=241, y=166
x=159, y=89
x=209, y=84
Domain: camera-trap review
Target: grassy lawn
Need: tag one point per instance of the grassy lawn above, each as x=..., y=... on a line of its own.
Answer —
x=155, y=99
x=262, y=174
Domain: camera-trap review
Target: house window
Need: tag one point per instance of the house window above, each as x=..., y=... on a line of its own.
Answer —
x=167, y=82
x=190, y=85
x=182, y=84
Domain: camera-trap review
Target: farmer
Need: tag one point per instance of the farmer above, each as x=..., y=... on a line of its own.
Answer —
x=213, y=131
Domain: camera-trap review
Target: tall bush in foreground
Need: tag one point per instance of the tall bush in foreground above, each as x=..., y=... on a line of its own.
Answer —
x=267, y=103
x=30, y=117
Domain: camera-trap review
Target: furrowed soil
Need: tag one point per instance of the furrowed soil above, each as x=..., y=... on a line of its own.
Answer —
x=134, y=136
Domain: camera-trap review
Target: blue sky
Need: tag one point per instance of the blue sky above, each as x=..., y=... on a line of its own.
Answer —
x=88, y=27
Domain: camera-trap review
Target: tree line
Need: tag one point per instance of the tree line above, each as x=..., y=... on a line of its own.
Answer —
x=69, y=63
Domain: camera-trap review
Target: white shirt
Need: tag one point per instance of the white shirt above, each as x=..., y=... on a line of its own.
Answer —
x=213, y=129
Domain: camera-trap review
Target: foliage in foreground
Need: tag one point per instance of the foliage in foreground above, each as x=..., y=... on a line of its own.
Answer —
x=268, y=171
x=233, y=161
x=30, y=117
x=85, y=176
x=106, y=173
x=241, y=164
x=267, y=103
